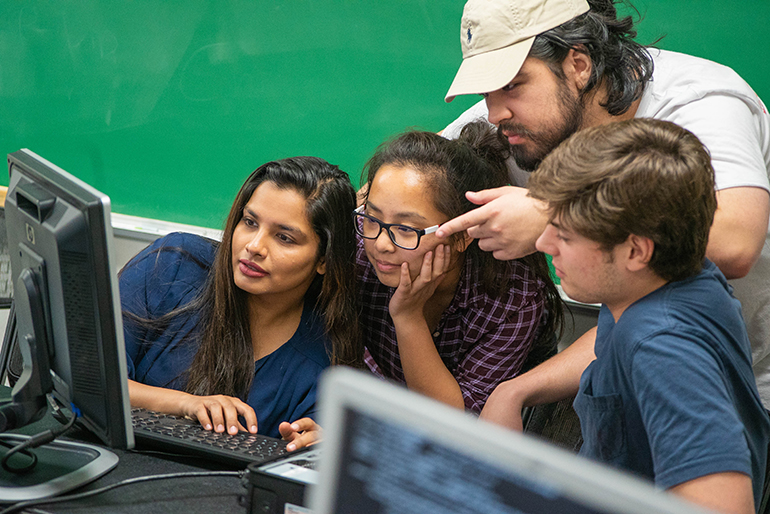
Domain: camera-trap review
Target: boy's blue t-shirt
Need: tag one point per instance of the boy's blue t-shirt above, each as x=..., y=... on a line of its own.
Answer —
x=169, y=274
x=671, y=395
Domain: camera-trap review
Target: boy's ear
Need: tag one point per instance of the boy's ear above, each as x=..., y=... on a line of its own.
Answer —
x=639, y=252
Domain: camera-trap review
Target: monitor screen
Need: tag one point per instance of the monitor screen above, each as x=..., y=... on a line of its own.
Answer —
x=66, y=299
x=389, y=468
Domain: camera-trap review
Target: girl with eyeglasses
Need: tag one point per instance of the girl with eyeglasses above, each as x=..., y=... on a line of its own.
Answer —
x=444, y=317
x=243, y=328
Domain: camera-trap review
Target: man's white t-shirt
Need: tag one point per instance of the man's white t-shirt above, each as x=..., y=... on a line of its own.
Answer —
x=717, y=105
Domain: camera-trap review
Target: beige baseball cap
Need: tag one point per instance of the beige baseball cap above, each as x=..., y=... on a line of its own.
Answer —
x=496, y=36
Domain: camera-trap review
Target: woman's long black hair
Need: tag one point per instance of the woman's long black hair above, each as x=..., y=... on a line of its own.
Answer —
x=224, y=361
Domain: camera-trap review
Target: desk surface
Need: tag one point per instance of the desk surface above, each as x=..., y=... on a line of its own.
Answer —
x=190, y=495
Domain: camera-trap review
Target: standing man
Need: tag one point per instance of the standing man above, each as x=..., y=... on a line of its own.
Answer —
x=671, y=395
x=547, y=68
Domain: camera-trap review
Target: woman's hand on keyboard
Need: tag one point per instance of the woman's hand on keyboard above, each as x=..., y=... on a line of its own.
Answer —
x=219, y=411
x=300, y=433
x=213, y=412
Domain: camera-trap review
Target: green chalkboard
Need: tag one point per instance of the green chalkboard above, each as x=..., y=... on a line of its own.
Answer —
x=167, y=105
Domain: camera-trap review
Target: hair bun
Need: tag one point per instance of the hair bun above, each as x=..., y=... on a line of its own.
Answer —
x=483, y=139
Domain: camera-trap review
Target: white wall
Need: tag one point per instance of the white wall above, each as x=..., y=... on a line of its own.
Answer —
x=133, y=233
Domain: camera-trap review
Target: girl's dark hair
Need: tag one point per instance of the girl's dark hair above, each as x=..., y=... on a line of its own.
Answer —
x=476, y=160
x=224, y=361
x=619, y=61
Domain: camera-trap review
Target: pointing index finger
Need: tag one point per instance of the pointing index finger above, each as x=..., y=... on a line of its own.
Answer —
x=463, y=222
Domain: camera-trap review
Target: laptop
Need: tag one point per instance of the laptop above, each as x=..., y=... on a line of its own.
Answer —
x=387, y=449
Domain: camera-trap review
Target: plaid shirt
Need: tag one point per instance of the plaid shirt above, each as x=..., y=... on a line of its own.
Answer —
x=482, y=340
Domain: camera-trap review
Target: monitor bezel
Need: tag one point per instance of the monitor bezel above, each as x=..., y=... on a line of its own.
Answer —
x=24, y=167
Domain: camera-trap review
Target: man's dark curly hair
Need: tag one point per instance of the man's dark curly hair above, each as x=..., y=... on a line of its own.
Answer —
x=621, y=63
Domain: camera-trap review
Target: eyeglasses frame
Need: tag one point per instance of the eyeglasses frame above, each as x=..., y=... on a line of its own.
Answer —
x=359, y=211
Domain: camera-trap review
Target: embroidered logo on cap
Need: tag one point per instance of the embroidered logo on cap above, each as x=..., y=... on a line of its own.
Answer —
x=469, y=35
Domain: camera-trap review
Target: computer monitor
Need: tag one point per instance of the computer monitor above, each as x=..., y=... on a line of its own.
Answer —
x=388, y=449
x=68, y=319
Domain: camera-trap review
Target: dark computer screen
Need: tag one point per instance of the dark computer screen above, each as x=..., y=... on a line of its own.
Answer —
x=388, y=468
x=69, y=327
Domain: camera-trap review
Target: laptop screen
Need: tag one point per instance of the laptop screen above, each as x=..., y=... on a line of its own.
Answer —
x=388, y=450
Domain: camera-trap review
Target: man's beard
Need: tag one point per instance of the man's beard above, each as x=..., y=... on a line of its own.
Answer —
x=549, y=138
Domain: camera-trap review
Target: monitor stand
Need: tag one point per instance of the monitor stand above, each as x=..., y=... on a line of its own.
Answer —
x=61, y=467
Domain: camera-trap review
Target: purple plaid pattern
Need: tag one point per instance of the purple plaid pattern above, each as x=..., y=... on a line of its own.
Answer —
x=482, y=340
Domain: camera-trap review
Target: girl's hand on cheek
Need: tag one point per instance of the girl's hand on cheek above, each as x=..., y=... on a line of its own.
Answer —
x=411, y=295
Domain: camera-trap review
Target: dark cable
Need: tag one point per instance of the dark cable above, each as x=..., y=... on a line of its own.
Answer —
x=23, y=451
x=34, y=441
x=86, y=494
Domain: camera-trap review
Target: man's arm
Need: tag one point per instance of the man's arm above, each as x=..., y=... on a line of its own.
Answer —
x=739, y=230
x=728, y=492
x=555, y=379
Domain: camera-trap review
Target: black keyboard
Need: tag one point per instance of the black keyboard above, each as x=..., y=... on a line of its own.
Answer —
x=180, y=435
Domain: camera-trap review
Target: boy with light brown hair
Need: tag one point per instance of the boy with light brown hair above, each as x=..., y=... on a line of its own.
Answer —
x=671, y=394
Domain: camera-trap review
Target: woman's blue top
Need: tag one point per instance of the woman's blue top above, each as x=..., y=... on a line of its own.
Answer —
x=170, y=273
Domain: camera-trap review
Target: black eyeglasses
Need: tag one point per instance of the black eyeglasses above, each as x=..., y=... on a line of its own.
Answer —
x=403, y=236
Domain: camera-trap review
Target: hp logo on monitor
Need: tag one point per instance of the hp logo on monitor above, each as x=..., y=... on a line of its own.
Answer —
x=30, y=233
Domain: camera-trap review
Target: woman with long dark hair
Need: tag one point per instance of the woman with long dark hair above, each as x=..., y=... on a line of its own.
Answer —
x=244, y=327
